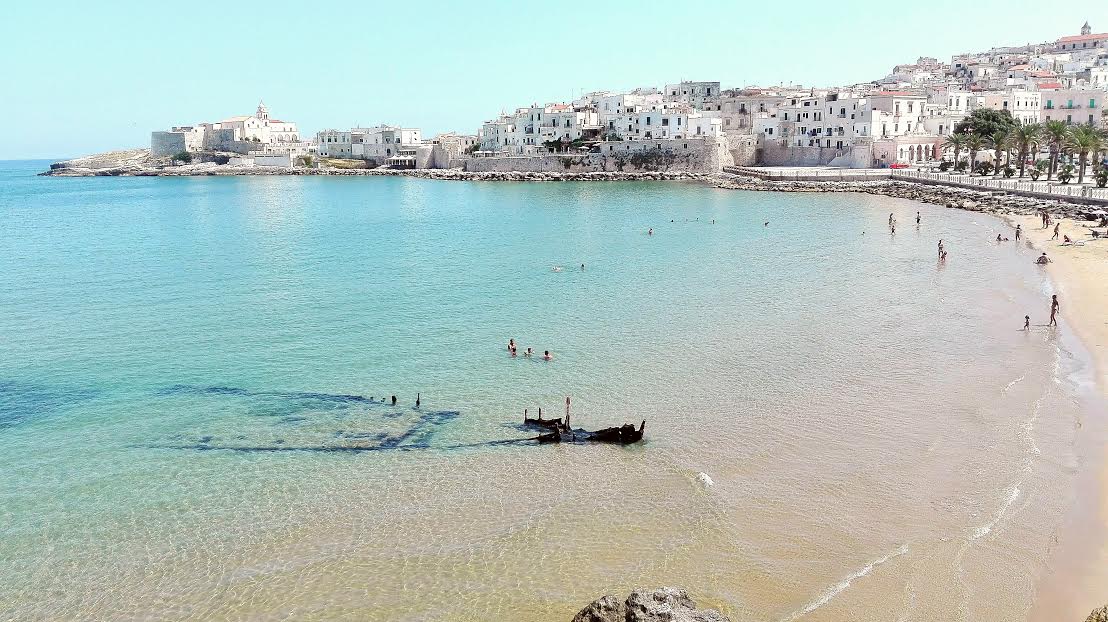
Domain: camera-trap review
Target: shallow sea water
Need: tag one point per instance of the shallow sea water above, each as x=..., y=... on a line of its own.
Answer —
x=187, y=428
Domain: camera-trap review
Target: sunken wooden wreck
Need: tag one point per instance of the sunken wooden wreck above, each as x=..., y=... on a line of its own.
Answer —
x=559, y=431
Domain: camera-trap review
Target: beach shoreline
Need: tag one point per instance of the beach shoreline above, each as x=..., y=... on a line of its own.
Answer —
x=1079, y=273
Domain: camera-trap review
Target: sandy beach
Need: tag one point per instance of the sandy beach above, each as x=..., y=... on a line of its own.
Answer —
x=1080, y=272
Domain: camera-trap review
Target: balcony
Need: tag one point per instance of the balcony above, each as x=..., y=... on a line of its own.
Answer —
x=1071, y=107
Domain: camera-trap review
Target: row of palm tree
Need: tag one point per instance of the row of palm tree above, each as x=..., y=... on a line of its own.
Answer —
x=1080, y=141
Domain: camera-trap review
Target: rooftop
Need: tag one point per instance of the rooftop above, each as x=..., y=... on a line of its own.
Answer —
x=1080, y=38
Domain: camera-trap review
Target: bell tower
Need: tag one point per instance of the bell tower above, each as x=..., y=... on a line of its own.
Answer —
x=1086, y=29
x=263, y=112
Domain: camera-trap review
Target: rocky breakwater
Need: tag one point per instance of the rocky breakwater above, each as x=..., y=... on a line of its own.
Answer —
x=139, y=163
x=667, y=604
x=1099, y=615
x=993, y=202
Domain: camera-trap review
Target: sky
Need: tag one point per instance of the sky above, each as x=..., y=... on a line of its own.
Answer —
x=85, y=77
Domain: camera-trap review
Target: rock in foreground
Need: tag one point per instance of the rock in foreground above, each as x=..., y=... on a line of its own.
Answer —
x=667, y=604
x=1099, y=615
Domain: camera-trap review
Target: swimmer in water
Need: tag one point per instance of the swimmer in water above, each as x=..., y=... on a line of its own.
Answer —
x=417, y=400
x=765, y=224
x=511, y=345
x=546, y=356
x=394, y=400
x=529, y=352
x=556, y=269
x=582, y=267
x=650, y=231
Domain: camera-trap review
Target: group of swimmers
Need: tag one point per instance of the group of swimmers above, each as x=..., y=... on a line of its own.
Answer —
x=561, y=269
x=373, y=398
x=546, y=355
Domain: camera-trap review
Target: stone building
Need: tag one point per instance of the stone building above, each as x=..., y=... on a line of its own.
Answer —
x=240, y=134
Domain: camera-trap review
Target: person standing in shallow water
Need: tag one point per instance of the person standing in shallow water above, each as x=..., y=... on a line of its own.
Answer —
x=394, y=400
x=1055, y=236
x=940, y=249
x=1018, y=232
x=1027, y=322
x=917, y=218
x=1053, y=310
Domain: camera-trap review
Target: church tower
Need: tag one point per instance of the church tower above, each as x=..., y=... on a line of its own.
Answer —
x=1086, y=29
x=263, y=112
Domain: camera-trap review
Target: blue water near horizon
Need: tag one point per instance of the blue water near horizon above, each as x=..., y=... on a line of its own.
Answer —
x=192, y=373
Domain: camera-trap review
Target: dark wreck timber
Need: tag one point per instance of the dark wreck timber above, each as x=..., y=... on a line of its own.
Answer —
x=559, y=431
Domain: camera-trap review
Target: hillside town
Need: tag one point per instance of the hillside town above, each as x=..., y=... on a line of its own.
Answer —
x=912, y=117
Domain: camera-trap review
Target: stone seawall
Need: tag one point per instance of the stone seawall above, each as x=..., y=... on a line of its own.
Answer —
x=991, y=201
x=696, y=154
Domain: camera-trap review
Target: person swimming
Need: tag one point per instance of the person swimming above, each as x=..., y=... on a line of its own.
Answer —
x=394, y=400
x=650, y=231
x=529, y=352
x=556, y=269
x=417, y=400
x=546, y=356
x=511, y=345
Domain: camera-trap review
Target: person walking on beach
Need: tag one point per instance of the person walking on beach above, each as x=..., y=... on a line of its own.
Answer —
x=1055, y=236
x=1027, y=322
x=917, y=218
x=940, y=249
x=1053, y=310
x=1018, y=232
x=890, y=220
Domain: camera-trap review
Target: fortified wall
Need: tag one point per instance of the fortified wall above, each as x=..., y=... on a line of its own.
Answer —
x=694, y=155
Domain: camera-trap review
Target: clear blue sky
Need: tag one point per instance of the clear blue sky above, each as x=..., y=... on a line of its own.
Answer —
x=82, y=77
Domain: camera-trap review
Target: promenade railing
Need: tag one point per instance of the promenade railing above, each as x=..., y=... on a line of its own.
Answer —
x=1046, y=189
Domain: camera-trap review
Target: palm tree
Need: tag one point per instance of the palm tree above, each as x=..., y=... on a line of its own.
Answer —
x=1026, y=139
x=1001, y=142
x=974, y=143
x=1054, y=133
x=1083, y=140
x=957, y=142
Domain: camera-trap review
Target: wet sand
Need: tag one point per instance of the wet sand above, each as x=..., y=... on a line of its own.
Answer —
x=1080, y=572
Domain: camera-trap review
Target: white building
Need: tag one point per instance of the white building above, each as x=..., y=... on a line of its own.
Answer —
x=240, y=134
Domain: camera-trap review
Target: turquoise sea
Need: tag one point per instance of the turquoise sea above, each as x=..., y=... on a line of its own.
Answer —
x=192, y=426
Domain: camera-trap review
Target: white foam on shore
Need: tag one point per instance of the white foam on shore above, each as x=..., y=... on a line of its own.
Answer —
x=705, y=479
x=984, y=530
x=1013, y=383
x=839, y=587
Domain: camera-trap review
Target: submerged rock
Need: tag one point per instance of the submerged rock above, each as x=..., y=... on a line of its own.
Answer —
x=667, y=604
x=1099, y=615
